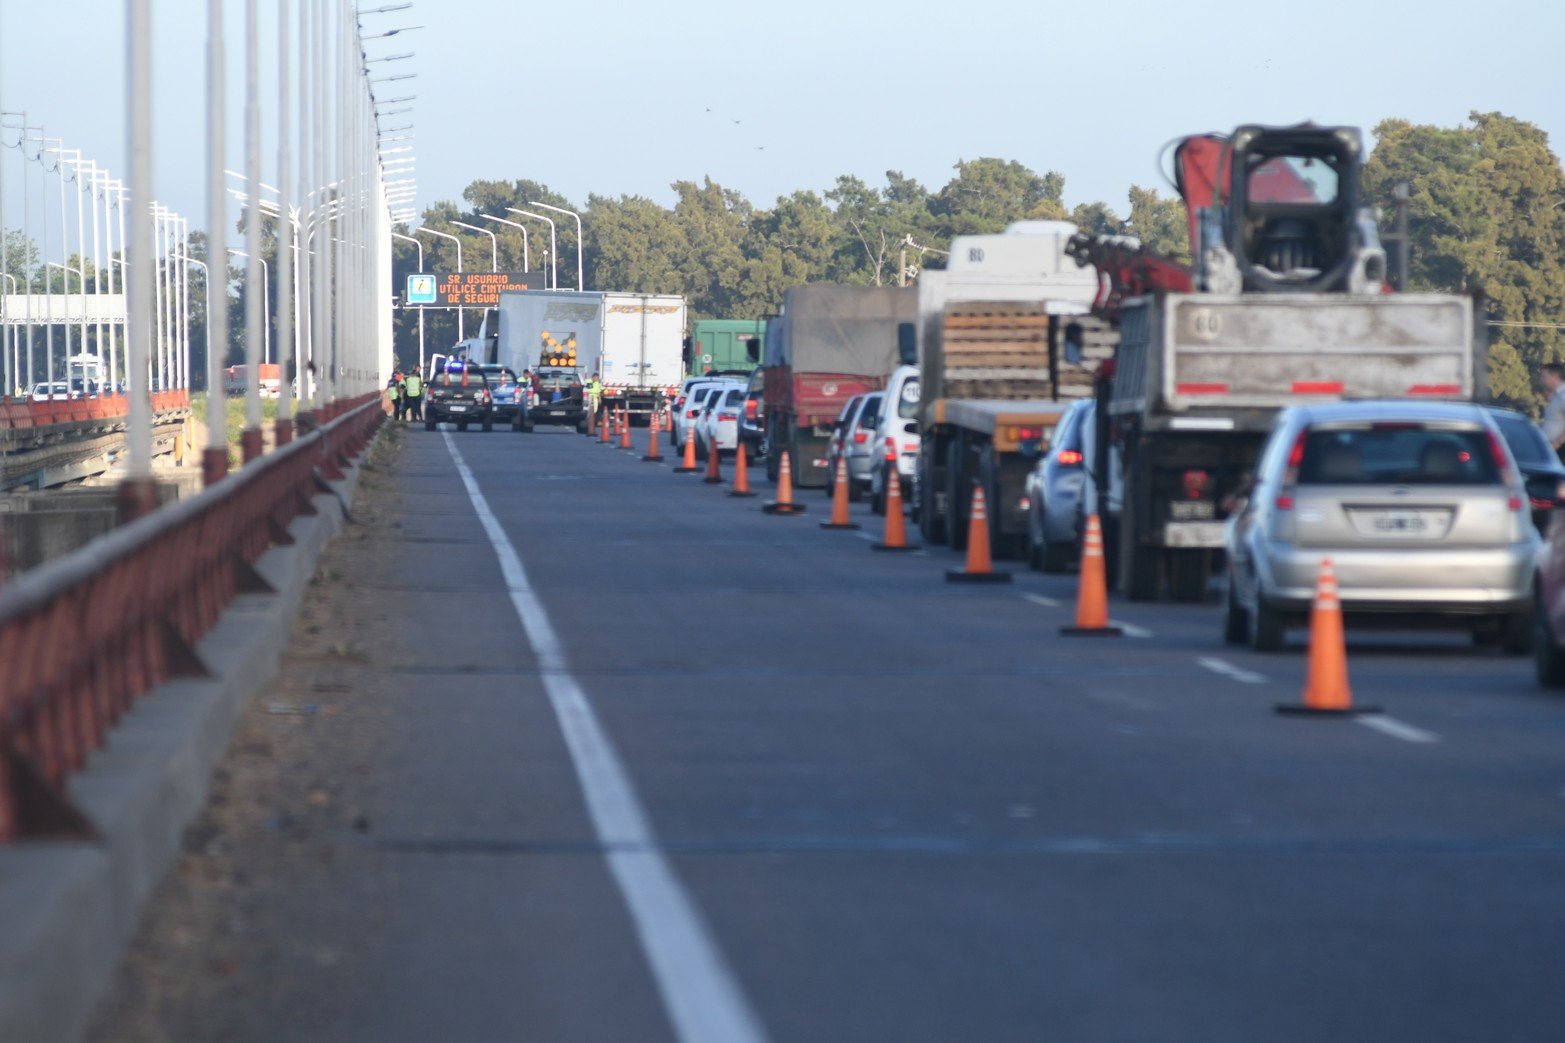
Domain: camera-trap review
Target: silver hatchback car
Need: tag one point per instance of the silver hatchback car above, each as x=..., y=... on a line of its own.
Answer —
x=1418, y=505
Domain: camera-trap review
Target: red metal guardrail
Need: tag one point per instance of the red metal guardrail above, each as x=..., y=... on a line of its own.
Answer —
x=82, y=637
x=26, y=415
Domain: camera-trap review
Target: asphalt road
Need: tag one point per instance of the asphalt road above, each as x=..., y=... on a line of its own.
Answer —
x=806, y=791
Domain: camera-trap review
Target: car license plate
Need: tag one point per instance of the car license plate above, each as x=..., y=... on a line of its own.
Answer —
x=1401, y=523
x=458, y=409
x=1192, y=510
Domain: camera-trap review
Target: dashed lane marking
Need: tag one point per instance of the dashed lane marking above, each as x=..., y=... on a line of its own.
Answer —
x=1039, y=599
x=704, y=1001
x=1130, y=629
x=1396, y=729
x=1229, y=670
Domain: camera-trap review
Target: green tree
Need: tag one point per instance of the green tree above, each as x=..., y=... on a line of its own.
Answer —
x=987, y=194
x=1486, y=213
x=1159, y=223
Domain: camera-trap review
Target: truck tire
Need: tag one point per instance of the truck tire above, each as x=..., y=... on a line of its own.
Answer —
x=956, y=495
x=1143, y=570
x=1054, y=558
x=931, y=525
x=581, y=426
x=1187, y=574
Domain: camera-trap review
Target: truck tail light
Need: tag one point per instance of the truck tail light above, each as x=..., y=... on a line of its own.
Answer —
x=1196, y=483
x=1069, y=458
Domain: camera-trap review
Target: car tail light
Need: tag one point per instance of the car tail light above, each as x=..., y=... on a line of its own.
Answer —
x=891, y=448
x=1027, y=434
x=910, y=447
x=1069, y=458
x=750, y=409
x=1290, y=477
x=1196, y=483
x=692, y=414
x=860, y=437
x=723, y=417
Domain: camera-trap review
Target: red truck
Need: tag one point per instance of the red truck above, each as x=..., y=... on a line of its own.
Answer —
x=829, y=343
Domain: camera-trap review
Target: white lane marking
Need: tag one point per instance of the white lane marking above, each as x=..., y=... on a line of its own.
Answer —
x=1039, y=599
x=700, y=992
x=1229, y=670
x=1395, y=728
x=1130, y=629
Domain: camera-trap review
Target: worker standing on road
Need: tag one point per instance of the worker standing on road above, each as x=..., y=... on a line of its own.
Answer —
x=398, y=396
x=594, y=394
x=413, y=395
x=1554, y=412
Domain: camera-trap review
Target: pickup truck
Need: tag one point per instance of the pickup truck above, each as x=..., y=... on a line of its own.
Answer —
x=457, y=393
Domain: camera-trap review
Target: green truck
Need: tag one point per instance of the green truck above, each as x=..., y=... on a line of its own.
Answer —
x=724, y=346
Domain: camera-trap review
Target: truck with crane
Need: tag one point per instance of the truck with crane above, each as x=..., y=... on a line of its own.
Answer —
x=1286, y=303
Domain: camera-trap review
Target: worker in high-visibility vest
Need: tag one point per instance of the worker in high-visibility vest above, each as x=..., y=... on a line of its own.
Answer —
x=594, y=394
x=413, y=395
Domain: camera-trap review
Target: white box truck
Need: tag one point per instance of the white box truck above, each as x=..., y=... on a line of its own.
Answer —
x=633, y=342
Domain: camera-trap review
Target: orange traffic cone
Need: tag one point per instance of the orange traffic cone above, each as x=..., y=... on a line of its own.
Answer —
x=1326, y=691
x=653, y=452
x=1092, y=596
x=784, y=503
x=840, y=518
x=980, y=566
x=624, y=427
x=741, y=473
x=603, y=425
x=896, y=525
x=714, y=465
x=689, y=464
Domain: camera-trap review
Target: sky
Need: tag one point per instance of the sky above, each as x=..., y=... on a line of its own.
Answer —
x=626, y=97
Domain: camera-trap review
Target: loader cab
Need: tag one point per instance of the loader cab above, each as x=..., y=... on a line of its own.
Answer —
x=1293, y=219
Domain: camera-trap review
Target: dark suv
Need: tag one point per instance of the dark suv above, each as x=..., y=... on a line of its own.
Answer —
x=752, y=415
x=558, y=398
x=458, y=393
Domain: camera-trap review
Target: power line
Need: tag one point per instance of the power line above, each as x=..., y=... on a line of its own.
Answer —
x=1530, y=325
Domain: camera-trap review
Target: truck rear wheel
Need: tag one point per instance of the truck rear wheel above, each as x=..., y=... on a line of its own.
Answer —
x=1187, y=574
x=931, y=524
x=956, y=496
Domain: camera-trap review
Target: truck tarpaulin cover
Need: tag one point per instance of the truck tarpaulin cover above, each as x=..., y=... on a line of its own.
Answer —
x=827, y=328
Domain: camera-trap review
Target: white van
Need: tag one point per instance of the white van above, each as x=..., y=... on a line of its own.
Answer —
x=899, y=423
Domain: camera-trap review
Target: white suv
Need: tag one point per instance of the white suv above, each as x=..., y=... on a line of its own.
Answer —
x=898, y=422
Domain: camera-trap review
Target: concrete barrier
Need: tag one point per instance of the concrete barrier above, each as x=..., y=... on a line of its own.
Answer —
x=67, y=909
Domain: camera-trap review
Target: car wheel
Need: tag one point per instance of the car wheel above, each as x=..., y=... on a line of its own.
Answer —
x=1548, y=656
x=1054, y=557
x=1268, y=631
x=1516, y=632
x=429, y=425
x=855, y=491
x=461, y=425
x=488, y=425
x=1236, y=621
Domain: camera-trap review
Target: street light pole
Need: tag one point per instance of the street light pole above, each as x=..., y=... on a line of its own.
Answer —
x=580, y=244
x=266, y=319
x=282, y=425
x=527, y=264
x=420, y=246
x=138, y=495
x=554, y=256
x=494, y=244
x=214, y=456
x=250, y=437
x=460, y=330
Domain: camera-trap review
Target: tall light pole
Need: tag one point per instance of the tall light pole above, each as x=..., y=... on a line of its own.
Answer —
x=64, y=269
x=250, y=438
x=214, y=456
x=419, y=245
x=266, y=297
x=527, y=264
x=138, y=495
x=494, y=244
x=554, y=257
x=282, y=425
x=580, y=244
x=460, y=330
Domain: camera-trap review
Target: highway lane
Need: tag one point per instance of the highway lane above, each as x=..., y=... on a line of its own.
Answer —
x=907, y=810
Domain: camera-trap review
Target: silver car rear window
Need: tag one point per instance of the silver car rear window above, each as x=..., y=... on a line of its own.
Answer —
x=1397, y=454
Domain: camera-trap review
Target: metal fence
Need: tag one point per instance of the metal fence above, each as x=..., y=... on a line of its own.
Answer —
x=82, y=637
